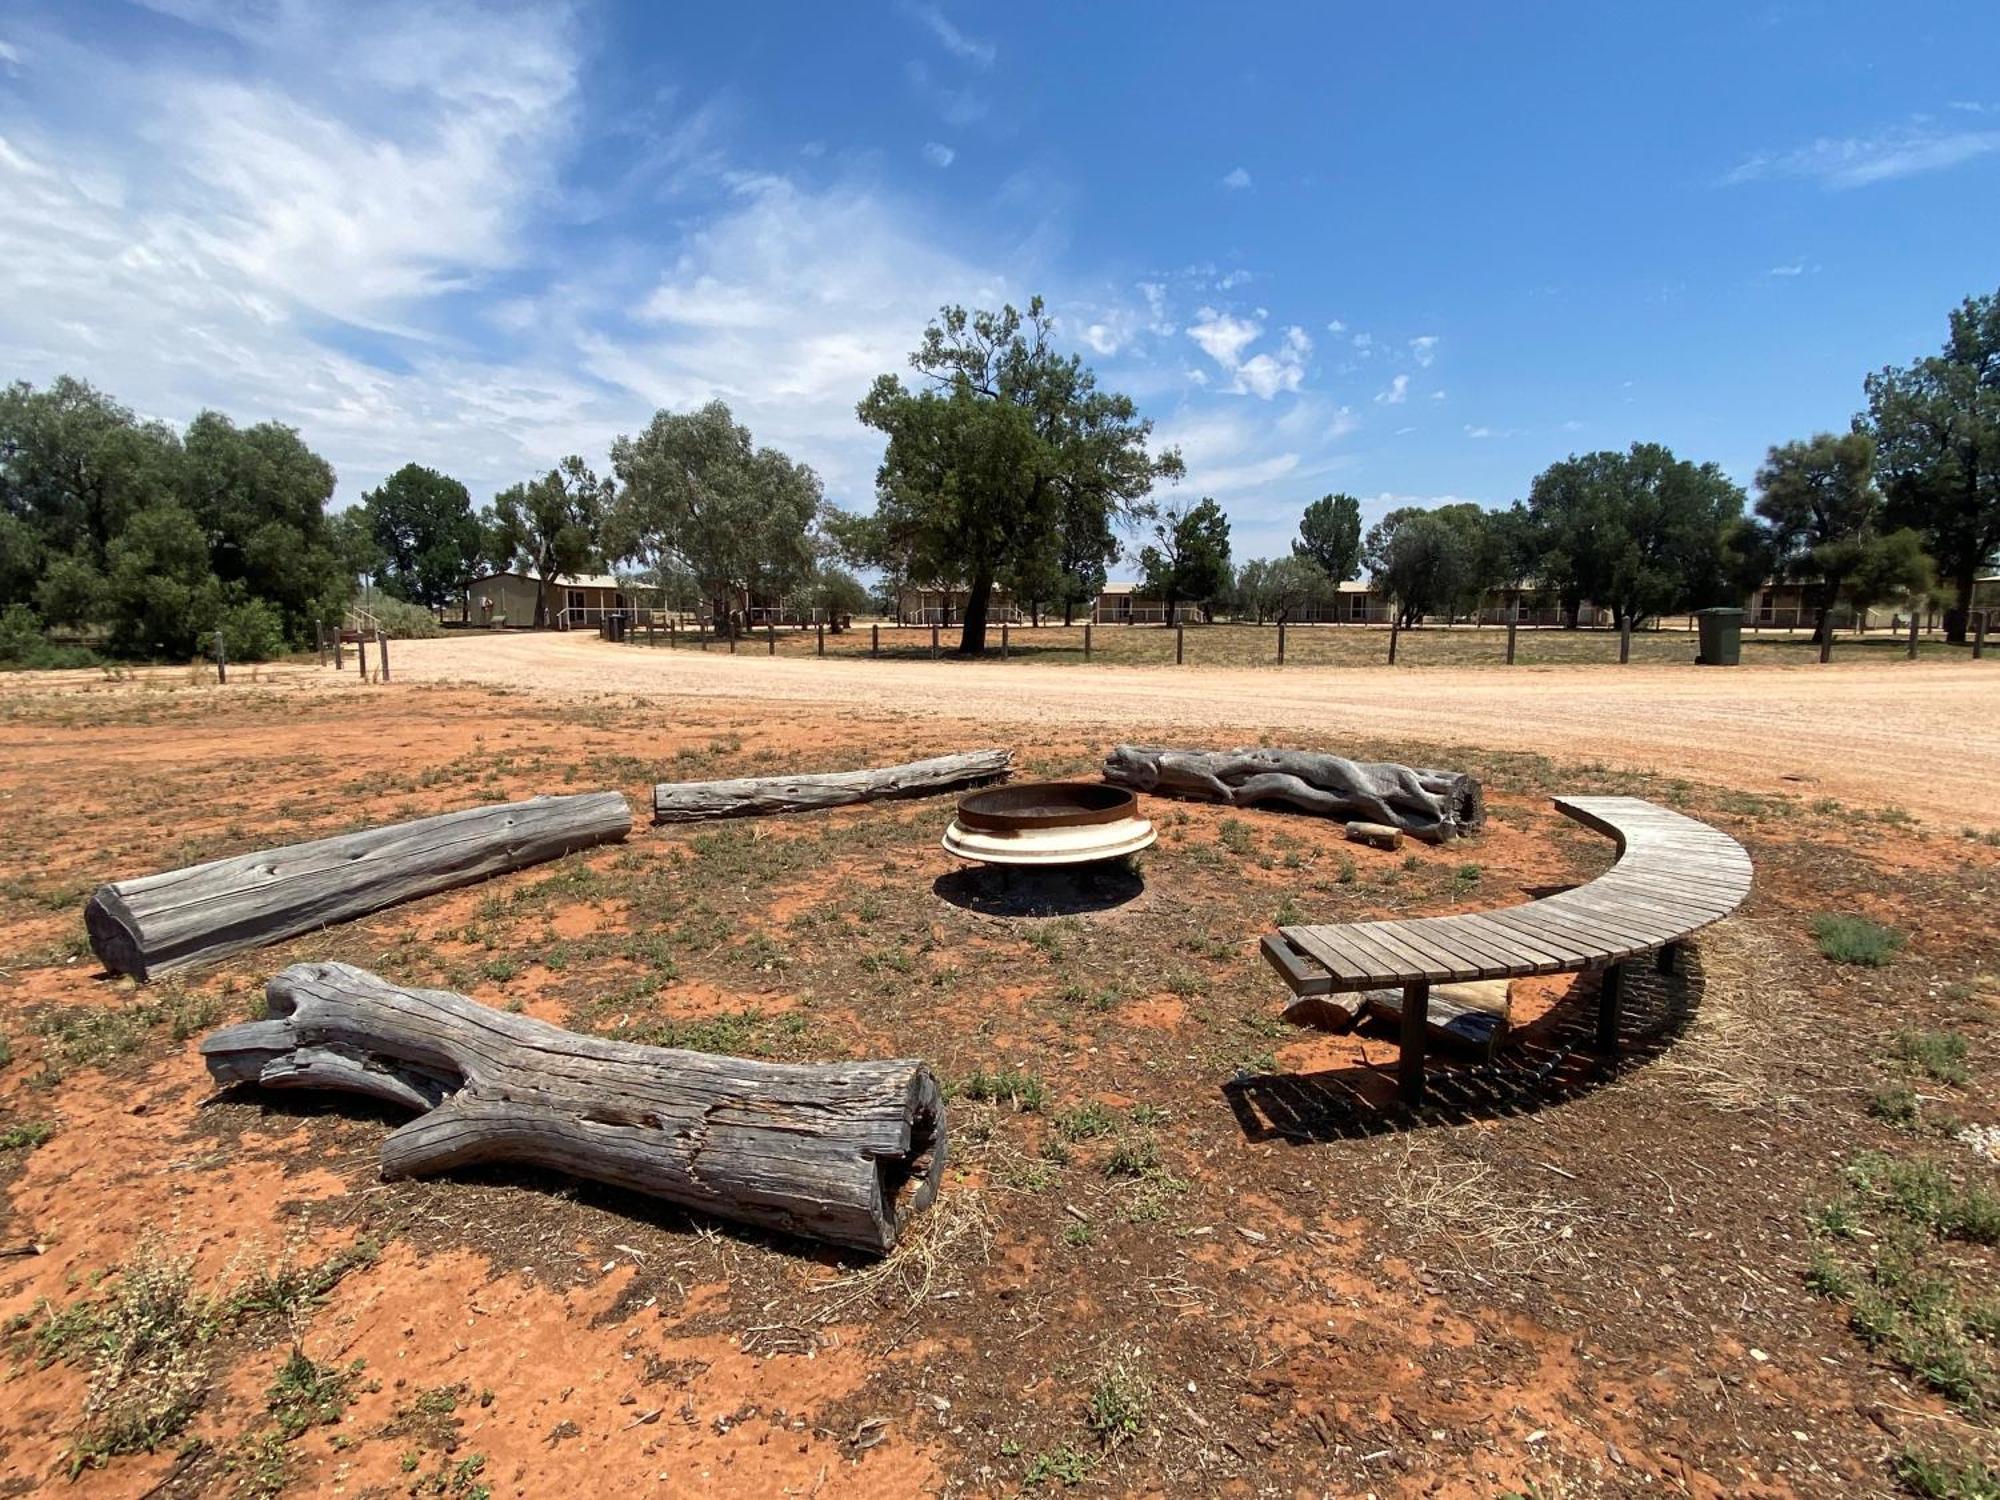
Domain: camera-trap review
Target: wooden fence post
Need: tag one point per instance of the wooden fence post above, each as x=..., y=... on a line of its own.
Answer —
x=1003, y=640
x=1395, y=629
x=1086, y=640
x=339, y=652
x=875, y=639
x=1979, y=633
x=1913, y=635
x=1825, y=638
x=1281, y=643
x=1624, y=640
x=819, y=630
x=1180, y=634
x=1513, y=624
x=221, y=660
x=319, y=639
x=732, y=634
x=934, y=640
x=382, y=644
x=771, y=634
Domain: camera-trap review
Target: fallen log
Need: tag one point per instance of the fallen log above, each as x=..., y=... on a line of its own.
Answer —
x=155, y=923
x=841, y=1152
x=1437, y=806
x=749, y=796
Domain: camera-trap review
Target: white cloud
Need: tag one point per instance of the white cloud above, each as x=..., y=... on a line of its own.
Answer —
x=1423, y=349
x=968, y=48
x=1336, y=326
x=1223, y=338
x=1437, y=395
x=1859, y=161
x=1237, y=178
x=1232, y=280
x=1478, y=432
x=1397, y=393
x=1793, y=268
x=1363, y=344
x=939, y=155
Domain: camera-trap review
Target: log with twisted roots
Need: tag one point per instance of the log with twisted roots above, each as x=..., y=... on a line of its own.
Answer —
x=1437, y=806
x=842, y=1152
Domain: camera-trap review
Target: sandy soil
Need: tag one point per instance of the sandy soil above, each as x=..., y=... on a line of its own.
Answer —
x=1851, y=733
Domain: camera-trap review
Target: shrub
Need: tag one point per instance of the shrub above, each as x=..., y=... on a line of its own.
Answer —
x=1856, y=940
x=1941, y=1054
x=252, y=631
x=22, y=644
x=403, y=621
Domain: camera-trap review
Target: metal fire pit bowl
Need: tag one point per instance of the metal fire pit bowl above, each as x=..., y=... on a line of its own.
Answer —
x=1048, y=823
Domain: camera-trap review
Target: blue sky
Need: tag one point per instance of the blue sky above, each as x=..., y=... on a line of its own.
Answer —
x=1415, y=253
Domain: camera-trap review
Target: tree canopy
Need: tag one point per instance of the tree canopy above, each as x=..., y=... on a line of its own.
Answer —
x=1936, y=426
x=420, y=523
x=1283, y=588
x=1188, y=559
x=1825, y=524
x=1007, y=454
x=1330, y=536
x=549, y=525
x=1640, y=531
x=1423, y=560
x=694, y=493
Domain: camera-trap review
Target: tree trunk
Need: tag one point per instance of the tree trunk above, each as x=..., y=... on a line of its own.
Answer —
x=978, y=600
x=158, y=923
x=1436, y=806
x=698, y=801
x=841, y=1152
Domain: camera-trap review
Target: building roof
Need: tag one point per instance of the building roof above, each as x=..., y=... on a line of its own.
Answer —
x=1119, y=588
x=1354, y=586
x=567, y=580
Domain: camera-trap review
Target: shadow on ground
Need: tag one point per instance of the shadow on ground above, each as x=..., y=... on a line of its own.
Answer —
x=1550, y=1062
x=1004, y=891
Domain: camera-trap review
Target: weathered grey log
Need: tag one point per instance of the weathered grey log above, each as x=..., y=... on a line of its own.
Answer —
x=155, y=923
x=1436, y=806
x=841, y=1152
x=697, y=801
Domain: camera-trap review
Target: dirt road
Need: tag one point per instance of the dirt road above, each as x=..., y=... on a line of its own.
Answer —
x=1920, y=736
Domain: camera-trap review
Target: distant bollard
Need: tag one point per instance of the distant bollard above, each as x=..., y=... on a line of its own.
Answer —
x=1180, y=644
x=1003, y=640
x=382, y=643
x=1825, y=640
x=771, y=635
x=339, y=653
x=819, y=627
x=1512, y=626
x=221, y=660
x=319, y=639
x=1395, y=629
x=1913, y=635
x=1979, y=634
x=874, y=640
x=1624, y=640
x=1086, y=640
x=1281, y=643
x=934, y=642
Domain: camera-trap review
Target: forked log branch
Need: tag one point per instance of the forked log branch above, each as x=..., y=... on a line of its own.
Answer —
x=697, y=801
x=1436, y=806
x=156, y=923
x=840, y=1152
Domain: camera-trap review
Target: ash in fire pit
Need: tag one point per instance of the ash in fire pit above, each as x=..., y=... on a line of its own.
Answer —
x=1048, y=823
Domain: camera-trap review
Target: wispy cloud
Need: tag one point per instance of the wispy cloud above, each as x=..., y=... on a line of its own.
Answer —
x=1423, y=349
x=939, y=155
x=1860, y=161
x=1792, y=268
x=1236, y=177
x=1397, y=393
x=1224, y=338
x=970, y=49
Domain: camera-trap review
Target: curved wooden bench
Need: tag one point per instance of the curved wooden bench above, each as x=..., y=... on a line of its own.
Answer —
x=1674, y=876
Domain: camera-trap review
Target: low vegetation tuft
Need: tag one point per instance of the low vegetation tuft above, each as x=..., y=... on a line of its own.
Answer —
x=1855, y=940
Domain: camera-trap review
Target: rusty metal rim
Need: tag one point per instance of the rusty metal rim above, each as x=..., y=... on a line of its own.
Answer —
x=1092, y=802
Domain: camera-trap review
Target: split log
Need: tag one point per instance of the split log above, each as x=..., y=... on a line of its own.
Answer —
x=1468, y=1028
x=841, y=1152
x=156, y=923
x=1375, y=835
x=1436, y=806
x=698, y=801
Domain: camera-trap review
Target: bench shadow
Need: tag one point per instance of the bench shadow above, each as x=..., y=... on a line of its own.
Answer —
x=1016, y=891
x=1549, y=1062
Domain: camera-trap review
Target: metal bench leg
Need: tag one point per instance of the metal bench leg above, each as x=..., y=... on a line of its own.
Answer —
x=1667, y=959
x=1410, y=1059
x=1610, y=1006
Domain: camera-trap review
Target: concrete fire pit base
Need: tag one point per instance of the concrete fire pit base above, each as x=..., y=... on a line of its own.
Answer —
x=1048, y=824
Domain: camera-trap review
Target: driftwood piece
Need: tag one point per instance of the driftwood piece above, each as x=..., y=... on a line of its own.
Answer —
x=1436, y=806
x=155, y=923
x=698, y=801
x=841, y=1152
x=1375, y=835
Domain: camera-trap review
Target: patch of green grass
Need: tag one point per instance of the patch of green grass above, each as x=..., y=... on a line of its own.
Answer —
x=1855, y=940
x=1236, y=836
x=1940, y=1054
x=309, y=1394
x=1077, y=1235
x=1065, y=1465
x=732, y=1032
x=92, y=1036
x=1961, y=1477
x=1006, y=1085
x=1134, y=1156
x=25, y=1135
x=284, y=1288
x=1117, y=1405
x=1085, y=1122
x=1896, y=1103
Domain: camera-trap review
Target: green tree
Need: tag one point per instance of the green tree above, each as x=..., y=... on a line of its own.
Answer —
x=1188, y=558
x=1640, y=531
x=1824, y=523
x=1330, y=535
x=1285, y=587
x=1420, y=559
x=836, y=593
x=1008, y=446
x=75, y=466
x=549, y=526
x=694, y=492
x=422, y=525
x=163, y=596
x=1936, y=425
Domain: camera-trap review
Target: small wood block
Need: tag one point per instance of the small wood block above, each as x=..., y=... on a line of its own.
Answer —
x=1327, y=1012
x=1474, y=1031
x=1489, y=995
x=1302, y=974
x=1375, y=835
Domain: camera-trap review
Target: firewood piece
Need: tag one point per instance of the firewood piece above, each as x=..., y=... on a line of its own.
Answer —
x=1327, y=1012
x=1474, y=1031
x=1436, y=806
x=1375, y=835
x=156, y=923
x=840, y=1152
x=750, y=796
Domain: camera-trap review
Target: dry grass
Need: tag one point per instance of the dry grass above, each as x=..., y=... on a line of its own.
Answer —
x=1747, y=1016
x=929, y=1262
x=1473, y=1213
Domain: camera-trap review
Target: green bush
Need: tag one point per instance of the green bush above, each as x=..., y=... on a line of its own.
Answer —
x=402, y=621
x=1856, y=940
x=24, y=647
x=252, y=631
